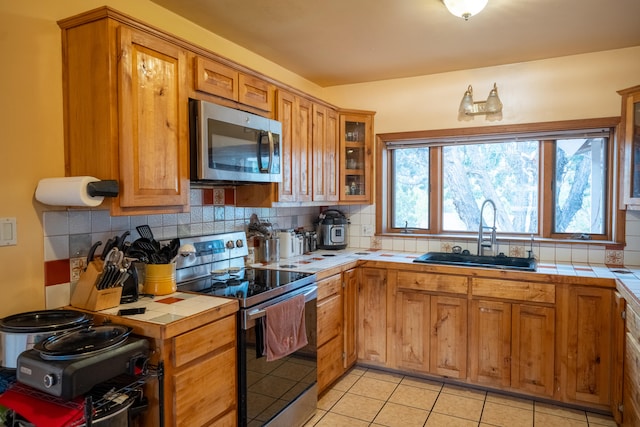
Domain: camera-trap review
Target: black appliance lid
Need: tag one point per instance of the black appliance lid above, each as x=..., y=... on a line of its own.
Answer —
x=83, y=342
x=44, y=321
x=332, y=216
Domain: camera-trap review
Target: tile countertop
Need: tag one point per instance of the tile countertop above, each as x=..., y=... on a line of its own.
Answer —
x=628, y=277
x=166, y=309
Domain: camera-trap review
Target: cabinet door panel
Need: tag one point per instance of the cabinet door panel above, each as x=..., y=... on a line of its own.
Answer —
x=205, y=390
x=490, y=343
x=449, y=336
x=350, y=298
x=285, y=114
x=215, y=78
x=589, y=345
x=533, y=348
x=372, y=315
x=330, y=364
x=303, y=137
x=412, y=330
x=153, y=122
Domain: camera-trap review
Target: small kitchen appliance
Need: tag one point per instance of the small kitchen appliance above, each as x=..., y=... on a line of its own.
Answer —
x=20, y=332
x=70, y=364
x=331, y=227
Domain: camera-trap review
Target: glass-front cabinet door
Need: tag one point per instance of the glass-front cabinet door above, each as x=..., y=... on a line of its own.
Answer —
x=356, y=150
x=631, y=136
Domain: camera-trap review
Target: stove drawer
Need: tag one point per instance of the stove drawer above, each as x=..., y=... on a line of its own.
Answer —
x=204, y=340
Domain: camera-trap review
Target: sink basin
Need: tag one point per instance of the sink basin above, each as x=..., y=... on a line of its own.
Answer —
x=500, y=261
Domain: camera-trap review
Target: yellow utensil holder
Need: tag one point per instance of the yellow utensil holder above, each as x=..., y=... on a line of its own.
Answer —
x=160, y=279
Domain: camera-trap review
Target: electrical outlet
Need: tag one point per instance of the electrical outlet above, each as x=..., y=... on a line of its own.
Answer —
x=77, y=266
x=367, y=230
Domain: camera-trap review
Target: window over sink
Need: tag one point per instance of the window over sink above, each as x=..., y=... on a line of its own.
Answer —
x=552, y=180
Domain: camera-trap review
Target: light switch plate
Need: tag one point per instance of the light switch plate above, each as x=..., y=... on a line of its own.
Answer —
x=8, y=232
x=367, y=230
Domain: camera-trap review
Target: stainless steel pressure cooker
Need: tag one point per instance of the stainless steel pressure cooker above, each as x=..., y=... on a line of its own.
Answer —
x=331, y=227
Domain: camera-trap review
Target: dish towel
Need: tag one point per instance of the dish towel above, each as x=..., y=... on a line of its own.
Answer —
x=284, y=328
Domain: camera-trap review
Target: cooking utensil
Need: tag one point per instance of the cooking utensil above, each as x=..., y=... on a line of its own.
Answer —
x=145, y=231
x=184, y=251
x=92, y=251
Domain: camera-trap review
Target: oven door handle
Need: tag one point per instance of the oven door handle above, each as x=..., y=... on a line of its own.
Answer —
x=309, y=295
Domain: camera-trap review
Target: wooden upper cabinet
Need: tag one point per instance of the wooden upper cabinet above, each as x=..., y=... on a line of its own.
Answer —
x=630, y=137
x=356, y=156
x=217, y=79
x=125, y=112
x=153, y=121
x=325, y=154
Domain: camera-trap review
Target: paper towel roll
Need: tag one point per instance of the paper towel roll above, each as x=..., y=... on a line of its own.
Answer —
x=67, y=191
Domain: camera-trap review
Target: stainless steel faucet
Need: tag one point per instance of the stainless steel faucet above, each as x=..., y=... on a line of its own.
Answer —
x=485, y=242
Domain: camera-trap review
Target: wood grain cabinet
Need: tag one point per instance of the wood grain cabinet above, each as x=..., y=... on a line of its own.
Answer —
x=630, y=137
x=218, y=79
x=125, y=111
x=372, y=316
x=586, y=344
x=330, y=331
x=356, y=156
x=512, y=333
x=631, y=377
x=336, y=326
x=430, y=330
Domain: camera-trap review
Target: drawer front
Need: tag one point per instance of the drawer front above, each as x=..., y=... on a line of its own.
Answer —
x=329, y=319
x=432, y=282
x=206, y=390
x=328, y=287
x=206, y=339
x=509, y=289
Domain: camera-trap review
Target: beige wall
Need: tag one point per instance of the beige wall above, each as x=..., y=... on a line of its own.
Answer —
x=31, y=108
x=574, y=87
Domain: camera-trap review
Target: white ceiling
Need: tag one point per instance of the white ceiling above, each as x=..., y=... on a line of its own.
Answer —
x=332, y=42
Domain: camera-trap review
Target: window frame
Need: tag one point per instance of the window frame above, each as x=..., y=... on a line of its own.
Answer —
x=614, y=216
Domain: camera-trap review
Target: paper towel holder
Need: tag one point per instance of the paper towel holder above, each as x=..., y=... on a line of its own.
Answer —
x=105, y=188
x=85, y=191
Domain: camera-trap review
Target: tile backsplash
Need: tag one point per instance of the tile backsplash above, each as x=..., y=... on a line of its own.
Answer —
x=68, y=235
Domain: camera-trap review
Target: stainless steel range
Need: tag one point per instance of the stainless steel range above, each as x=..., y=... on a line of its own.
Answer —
x=279, y=392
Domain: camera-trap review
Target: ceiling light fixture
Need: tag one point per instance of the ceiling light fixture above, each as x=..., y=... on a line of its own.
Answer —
x=465, y=8
x=492, y=105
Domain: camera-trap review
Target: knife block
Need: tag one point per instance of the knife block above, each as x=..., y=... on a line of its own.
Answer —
x=88, y=297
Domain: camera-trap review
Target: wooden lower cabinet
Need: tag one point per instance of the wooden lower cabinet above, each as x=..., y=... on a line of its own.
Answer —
x=586, y=345
x=631, y=376
x=336, y=326
x=330, y=335
x=429, y=333
x=372, y=315
x=532, y=349
x=490, y=343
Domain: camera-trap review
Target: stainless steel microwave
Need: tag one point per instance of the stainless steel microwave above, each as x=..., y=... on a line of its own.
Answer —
x=229, y=145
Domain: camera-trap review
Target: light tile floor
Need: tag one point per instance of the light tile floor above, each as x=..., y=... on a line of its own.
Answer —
x=368, y=397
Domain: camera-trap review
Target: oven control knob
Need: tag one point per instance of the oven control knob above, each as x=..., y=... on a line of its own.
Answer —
x=239, y=243
x=230, y=244
x=49, y=380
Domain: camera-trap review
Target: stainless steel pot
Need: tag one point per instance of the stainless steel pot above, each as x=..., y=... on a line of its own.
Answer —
x=268, y=249
x=20, y=332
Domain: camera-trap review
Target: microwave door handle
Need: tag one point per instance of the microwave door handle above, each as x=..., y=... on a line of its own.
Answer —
x=260, y=166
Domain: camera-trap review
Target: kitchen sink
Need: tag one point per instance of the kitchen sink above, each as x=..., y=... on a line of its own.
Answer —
x=468, y=260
